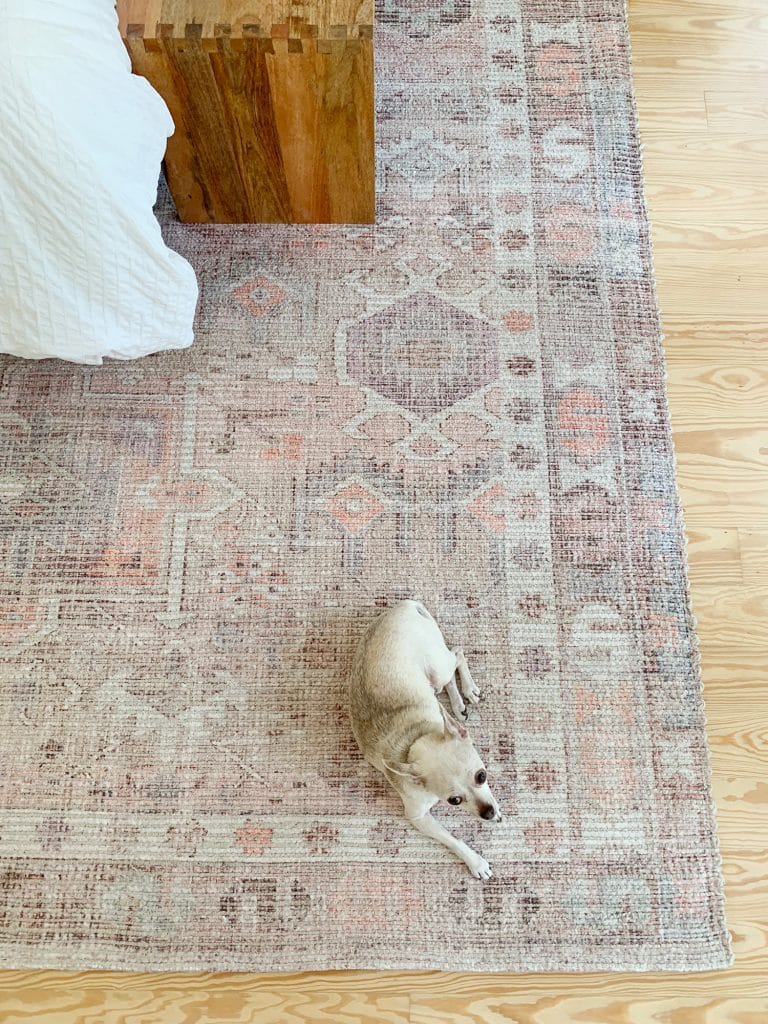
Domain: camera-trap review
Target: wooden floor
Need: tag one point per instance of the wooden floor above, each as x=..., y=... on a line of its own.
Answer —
x=702, y=87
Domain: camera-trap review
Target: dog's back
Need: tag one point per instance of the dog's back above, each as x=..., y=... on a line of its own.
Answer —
x=391, y=699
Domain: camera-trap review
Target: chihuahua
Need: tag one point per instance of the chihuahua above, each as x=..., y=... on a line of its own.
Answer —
x=401, y=665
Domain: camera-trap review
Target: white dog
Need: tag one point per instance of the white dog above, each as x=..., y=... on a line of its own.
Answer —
x=401, y=665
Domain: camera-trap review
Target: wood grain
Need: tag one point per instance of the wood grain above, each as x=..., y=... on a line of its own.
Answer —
x=274, y=112
x=723, y=280
x=716, y=358
x=324, y=14
x=737, y=109
x=114, y=998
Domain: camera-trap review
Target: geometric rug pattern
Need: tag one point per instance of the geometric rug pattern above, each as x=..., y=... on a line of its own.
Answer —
x=464, y=403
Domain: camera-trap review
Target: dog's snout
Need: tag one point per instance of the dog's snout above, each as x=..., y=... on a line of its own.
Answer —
x=488, y=812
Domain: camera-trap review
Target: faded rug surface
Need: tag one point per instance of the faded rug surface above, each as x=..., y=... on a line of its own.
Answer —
x=464, y=403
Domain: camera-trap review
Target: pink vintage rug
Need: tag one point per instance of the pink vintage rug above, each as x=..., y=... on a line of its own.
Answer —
x=465, y=403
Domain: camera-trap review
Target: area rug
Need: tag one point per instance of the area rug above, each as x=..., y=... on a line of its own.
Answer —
x=464, y=403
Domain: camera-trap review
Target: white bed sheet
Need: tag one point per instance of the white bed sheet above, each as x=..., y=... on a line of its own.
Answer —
x=84, y=271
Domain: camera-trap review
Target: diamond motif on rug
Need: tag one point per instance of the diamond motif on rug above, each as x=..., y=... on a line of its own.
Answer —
x=259, y=296
x=354, y=507
x=423, y=353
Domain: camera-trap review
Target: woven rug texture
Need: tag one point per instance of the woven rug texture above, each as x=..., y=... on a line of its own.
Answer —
x=464, y=403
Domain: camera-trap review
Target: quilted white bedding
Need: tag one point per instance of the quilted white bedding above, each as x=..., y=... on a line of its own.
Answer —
x=84, y=272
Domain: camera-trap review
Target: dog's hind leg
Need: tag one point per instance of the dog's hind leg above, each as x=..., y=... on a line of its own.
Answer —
x=469, y=687
x=441, y=667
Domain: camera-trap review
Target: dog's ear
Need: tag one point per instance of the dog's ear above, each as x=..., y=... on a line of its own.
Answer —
x=454, y=730
x=405, y=770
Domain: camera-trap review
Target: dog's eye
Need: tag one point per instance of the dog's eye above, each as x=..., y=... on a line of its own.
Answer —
x=455, y=800
x=480, y=777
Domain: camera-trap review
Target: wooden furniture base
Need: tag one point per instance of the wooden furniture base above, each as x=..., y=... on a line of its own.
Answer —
x=273, y=108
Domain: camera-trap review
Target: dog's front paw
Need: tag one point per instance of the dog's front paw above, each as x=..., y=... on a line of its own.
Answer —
x=472, y=693
x=479, y=868
x=459, y=709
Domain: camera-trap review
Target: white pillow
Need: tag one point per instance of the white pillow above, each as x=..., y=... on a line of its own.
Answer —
x=84, y=271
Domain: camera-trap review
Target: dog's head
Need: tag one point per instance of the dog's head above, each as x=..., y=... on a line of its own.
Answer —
x=448, y=765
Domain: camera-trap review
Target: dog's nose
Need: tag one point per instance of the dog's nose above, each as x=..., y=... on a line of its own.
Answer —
x=488, y=812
